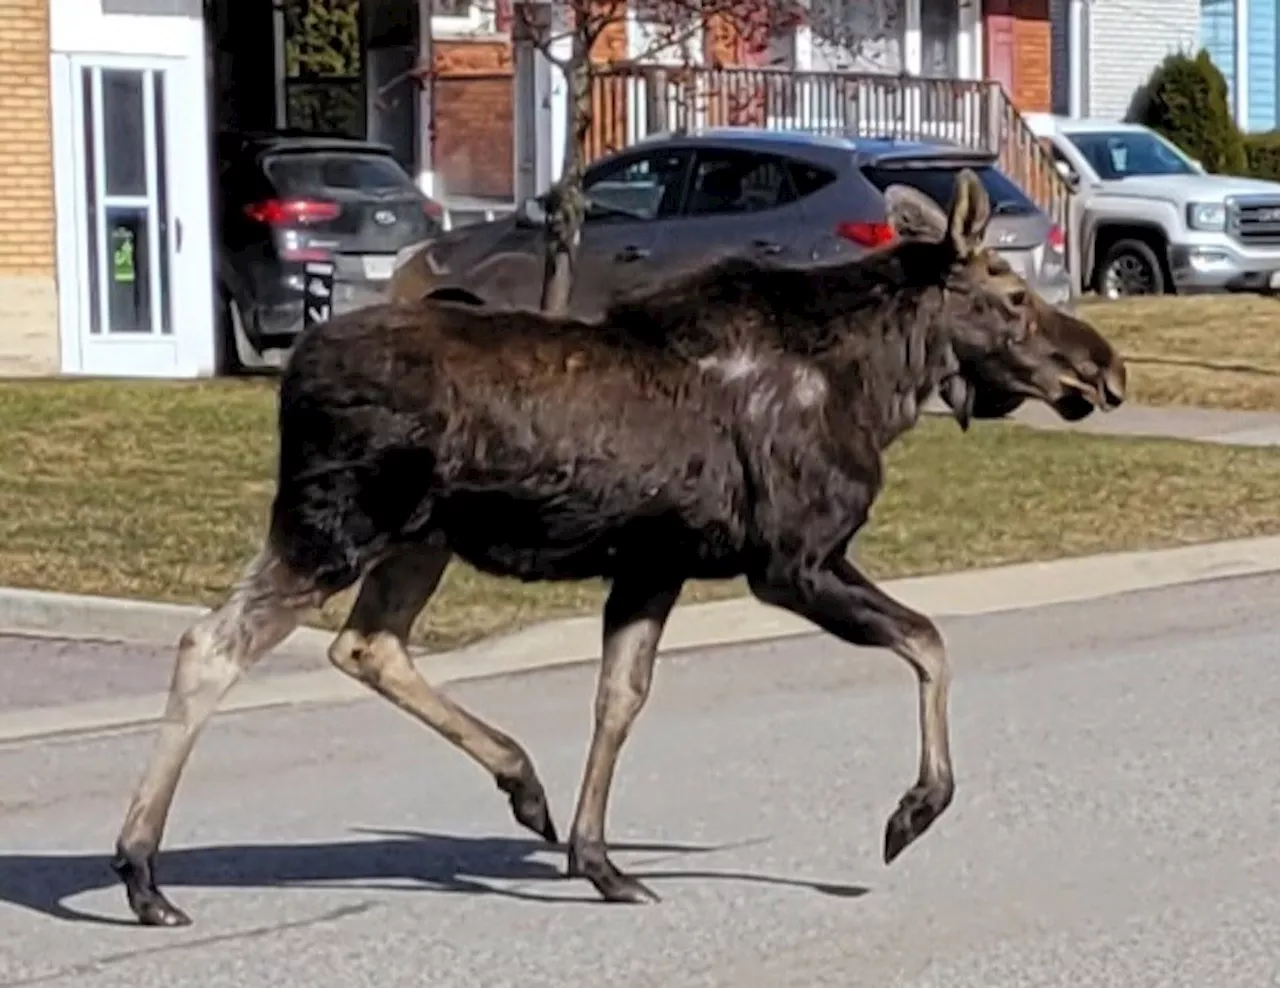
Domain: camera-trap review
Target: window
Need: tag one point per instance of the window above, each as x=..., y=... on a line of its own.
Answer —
x=1117, y=154
x=808, y=179
x=738, y=182
x=938, y=183
x=638, y=188
x=939, y=38
x=299, y=173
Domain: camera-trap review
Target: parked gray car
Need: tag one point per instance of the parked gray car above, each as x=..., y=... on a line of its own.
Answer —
x=668, y=201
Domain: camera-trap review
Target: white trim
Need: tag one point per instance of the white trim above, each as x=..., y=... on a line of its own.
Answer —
x=81, y=26
x=912, y=54
x=426, y=178
x=803, y=58
x=480, y=19
x=1242, y=63
x=969, y=40
x=68, y=213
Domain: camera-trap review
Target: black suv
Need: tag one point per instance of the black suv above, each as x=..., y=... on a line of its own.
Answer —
x=288, y=200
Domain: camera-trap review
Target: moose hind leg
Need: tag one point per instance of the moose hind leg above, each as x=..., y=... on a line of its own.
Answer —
x=634, y=616
x=839, y=599
x=260, y=612
x=371, y=648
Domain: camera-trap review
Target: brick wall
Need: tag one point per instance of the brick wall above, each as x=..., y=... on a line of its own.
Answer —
x=28, y=295
x=474, y=139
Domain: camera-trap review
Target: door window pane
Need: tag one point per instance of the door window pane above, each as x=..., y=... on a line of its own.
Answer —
x=128, y=270
x=124, y=133
x=640, y=189
x=735, y=182
x=939, y=37
x=128, y=230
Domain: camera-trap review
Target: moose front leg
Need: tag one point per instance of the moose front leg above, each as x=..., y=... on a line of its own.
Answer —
x=634, y=616
x=840, y=600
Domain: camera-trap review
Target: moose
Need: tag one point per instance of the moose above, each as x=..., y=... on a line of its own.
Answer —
x=729, y=423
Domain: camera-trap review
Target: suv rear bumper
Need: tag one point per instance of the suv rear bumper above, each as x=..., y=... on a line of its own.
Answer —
x=1222, y=266
x=273, y=326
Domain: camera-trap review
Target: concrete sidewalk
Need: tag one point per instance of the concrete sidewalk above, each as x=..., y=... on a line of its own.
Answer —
x=1210, y=425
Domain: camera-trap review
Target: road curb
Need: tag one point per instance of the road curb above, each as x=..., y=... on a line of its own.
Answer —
x=574, y=640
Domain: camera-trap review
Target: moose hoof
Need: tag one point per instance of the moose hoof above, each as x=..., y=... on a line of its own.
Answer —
x=590, y=862
x=146, y=901
x=915, y=814
x=529, y=807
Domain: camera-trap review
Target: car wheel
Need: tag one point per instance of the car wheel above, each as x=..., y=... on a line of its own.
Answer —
x=1130, y=268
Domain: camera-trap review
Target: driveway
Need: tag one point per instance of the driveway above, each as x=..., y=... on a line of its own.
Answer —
x=1116, y=823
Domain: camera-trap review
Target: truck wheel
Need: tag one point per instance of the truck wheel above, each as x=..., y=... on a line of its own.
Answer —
x=1130, y=267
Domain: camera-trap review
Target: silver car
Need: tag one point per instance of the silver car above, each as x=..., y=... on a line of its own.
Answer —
x=669, y=201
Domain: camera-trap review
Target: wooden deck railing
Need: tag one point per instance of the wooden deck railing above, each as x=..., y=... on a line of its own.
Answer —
x=631, y=102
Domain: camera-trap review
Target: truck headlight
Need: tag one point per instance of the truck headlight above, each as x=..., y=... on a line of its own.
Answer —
x=1206, y=216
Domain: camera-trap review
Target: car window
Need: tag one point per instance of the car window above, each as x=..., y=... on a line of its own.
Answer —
x=326, y=172
x=641, y=188
x=1116, y=154
x=938, y=183
x=738, y=182
x=808, y=179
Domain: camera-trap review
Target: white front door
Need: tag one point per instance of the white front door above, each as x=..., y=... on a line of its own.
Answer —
x=135, y=248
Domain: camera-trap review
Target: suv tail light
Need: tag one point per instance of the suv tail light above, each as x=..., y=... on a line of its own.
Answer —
x=867, y=234
x=433, y=210
x=281, y=212
x=1057, y=239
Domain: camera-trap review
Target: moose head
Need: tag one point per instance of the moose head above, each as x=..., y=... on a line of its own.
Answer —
x=1007, y=342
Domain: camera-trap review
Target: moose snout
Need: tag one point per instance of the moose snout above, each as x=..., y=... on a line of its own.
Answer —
x=1111, y=388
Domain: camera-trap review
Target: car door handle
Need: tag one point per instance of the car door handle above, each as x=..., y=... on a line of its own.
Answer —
x=766, y=247
x=631, y=253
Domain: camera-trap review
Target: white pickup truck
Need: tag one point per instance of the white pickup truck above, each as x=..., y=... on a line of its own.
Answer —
x=1154, y=221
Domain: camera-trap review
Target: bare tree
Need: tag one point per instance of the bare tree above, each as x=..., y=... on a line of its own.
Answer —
x=673, y=28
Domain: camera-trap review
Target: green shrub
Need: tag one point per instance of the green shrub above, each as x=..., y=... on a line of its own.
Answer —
x=1262, y=155
x=1186, y=100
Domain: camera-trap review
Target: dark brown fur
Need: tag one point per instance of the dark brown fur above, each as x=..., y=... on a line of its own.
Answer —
x=730, y=423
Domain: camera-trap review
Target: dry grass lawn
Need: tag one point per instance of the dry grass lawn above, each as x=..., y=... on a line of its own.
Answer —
x=1215, y=351
x=160, y=490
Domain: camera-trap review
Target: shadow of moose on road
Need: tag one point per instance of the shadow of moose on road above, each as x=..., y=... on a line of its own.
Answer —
x=436, y=862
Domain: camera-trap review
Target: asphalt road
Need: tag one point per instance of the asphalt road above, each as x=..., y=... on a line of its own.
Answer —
x=1117, y=823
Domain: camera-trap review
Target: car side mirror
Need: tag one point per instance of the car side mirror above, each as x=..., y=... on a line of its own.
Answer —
x=1068, y=174
x=530, y=213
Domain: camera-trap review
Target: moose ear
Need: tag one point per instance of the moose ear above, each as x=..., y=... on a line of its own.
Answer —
x=913, y=215
x=970, y=214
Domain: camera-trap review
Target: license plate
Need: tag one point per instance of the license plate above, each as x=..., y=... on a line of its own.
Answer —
x=1275, y=279
x=379, y=267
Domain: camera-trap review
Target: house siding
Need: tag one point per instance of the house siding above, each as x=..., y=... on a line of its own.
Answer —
x=28, y=283
x=1128, y=39
x=1218, y=38
x=473, y=138
x=1262, y=65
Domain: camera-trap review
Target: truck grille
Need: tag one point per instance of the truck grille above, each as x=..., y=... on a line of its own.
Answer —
x=1255, y=221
